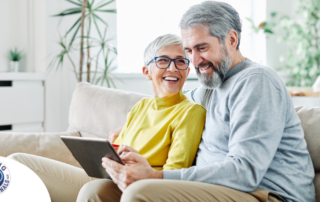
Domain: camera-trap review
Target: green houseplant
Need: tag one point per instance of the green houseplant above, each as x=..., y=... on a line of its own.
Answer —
x=302, y=35
x=89, y=20
x=15, y=57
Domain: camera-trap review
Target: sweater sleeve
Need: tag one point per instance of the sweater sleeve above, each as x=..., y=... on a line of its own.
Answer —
x=196, y=95
x=187, y=131
x=257, y=119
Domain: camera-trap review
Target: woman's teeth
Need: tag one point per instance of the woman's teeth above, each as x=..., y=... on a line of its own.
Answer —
x=170, y=79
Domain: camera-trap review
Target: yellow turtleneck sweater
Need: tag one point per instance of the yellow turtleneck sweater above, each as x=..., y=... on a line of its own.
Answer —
x=166, y=131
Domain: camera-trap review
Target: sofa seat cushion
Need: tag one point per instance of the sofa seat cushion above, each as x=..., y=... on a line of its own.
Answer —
x=47, y=145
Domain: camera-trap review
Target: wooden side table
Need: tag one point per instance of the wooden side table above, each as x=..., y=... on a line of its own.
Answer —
x=304, y=96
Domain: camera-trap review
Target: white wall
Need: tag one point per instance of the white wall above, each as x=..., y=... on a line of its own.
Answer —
x=275, y=49
x=139, y=26
x=13, y=20
x=23, y=22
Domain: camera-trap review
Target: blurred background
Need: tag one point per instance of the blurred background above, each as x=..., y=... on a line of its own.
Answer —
x=41, y=43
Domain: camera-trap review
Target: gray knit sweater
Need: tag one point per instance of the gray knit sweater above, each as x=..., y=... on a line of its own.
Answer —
x=252, y=138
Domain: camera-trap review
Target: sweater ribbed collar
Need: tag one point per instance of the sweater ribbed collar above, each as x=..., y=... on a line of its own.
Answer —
x=161, y=103
x=238, y=68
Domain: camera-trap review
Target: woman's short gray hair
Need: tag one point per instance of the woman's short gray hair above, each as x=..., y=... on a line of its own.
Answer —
x=161, y=42
x=218, y=16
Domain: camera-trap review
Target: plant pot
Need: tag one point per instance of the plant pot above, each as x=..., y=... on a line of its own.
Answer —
x=14, y=66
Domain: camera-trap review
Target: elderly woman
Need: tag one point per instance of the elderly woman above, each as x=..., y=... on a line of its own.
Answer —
x=160, y=128
x=165, y=129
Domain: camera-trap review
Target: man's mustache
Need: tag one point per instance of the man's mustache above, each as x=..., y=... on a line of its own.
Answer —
x=204, y=65
x=215, y=69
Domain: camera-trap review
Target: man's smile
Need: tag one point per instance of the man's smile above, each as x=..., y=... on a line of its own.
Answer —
x=205, y=69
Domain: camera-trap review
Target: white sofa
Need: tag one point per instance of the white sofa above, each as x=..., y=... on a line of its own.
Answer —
x=95, y=111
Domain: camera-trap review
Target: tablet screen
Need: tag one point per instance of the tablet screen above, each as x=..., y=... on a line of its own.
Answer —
x=89, y=152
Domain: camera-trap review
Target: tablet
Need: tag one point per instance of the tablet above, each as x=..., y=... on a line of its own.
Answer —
x=89, y=152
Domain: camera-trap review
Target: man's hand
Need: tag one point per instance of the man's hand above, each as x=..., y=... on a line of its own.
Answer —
x=114, y=134
x=137, y=168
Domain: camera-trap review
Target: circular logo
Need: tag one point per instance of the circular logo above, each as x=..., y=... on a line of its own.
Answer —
x=4, y=177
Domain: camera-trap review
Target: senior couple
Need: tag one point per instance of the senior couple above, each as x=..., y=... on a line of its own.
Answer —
x=252, y=146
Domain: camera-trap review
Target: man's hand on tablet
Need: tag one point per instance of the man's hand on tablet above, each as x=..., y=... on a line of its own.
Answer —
x=136, y=168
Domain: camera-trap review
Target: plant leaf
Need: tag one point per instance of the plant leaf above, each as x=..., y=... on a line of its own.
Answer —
x=78, y=4
x=107, y=80
x=102, y=5
x=315, y=15
x=97, y=81
x=268, y=31
x=74, y=35
x=79, y=19
x=96, y=16
x=97, y=27
x=273, y=14
x=89, y=26
x=70, y=11
x=114, y=85
x=89, y=5
x=108, y=11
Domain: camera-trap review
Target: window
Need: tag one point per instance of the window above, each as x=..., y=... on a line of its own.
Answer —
x=141, y=21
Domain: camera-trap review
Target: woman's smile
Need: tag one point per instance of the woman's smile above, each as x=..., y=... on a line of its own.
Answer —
x=170, y=78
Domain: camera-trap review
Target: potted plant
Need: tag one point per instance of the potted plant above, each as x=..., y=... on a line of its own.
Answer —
x=89, y=18
x=15, y=57
x=302, y=35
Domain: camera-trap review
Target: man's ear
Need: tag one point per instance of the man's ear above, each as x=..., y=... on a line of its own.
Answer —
x=146, y=73
x=232, y=40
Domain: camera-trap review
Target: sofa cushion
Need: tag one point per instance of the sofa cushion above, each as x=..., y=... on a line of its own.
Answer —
x=91, y=107
x=310, y=121
x=47, y=145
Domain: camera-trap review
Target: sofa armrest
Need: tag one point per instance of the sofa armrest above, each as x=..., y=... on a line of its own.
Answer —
x=47, y=145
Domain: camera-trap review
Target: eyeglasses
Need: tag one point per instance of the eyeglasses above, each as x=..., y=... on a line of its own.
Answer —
x=164, y=62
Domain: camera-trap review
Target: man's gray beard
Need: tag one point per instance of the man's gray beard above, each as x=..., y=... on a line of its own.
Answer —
x=218, y=73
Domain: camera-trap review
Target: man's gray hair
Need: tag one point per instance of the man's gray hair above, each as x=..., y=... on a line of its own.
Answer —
x=161, y=42
x=218, y=16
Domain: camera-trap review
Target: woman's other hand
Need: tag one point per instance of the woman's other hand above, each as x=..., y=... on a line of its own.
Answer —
x=113, y=135
x=126, y=149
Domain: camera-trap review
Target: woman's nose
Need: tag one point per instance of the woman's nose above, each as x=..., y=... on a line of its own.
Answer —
x=172, y=67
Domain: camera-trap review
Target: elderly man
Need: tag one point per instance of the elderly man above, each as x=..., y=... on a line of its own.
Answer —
x=253, y=146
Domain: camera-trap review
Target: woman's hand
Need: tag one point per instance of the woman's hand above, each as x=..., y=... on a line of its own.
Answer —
x=126, y=149
x=113, y=135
